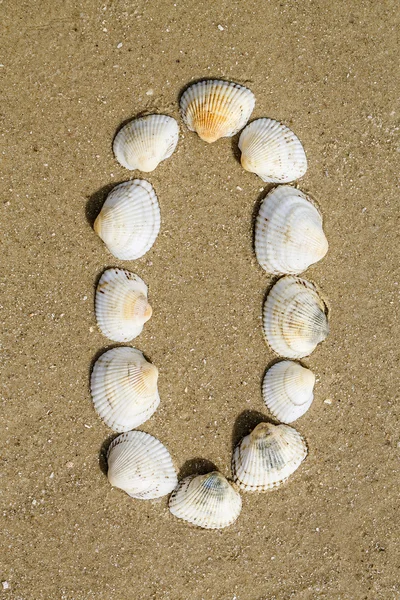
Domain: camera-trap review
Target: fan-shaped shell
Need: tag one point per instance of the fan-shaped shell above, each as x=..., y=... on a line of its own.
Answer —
x=140, y=465
x=288, y=390
x=272, y=151
x=216, y=109
x=129, y=221
x=208, y=501
x=121, y=305
x=294, y=318
x=124, y=388
x=267, y=457
x=144, y=142
x=288, y=233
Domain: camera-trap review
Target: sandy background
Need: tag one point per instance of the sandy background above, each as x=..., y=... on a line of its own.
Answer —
x=328, y=70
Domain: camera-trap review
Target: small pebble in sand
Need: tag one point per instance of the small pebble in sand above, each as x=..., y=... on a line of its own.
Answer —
x=119, y=45
x=328, y=401
x=149, y=92
x=69, y=464
x=5, y=585
x=220, y=28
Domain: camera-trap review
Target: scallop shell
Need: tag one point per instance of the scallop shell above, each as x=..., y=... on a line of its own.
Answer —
x=288, y=233
x=208, y=501
x=272, y=151
x=140, y=465
x=288, y=390
x=267, y=457
x=216, y=109
x=143, y=143
x=124, y=388
x=294, y=318
x=129, y=221
x=121, y=305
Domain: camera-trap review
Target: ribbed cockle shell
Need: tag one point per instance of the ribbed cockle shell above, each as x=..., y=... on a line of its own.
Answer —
x=140, y=465
x=121, y=305
x=129, y=221
x=208, y=501
x=216, y=109
x=288, y=233
x=267, y=457
x=144, y=142
x=295, y=317
x=288, y=390
x=272, y=151
x=124, y=390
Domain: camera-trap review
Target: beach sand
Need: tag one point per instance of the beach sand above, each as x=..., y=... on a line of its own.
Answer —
x=328, y=71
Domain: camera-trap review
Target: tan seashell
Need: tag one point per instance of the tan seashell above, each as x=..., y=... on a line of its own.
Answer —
x=208, y=501
x=121, y=305
x=288, y=233
x=288, y=390
x=294, y=317
x=129, y=221
x=272, y=151
x=267, y=457
x=144, y=142
x=124, y=390
x=216, y=109
x=140, y=465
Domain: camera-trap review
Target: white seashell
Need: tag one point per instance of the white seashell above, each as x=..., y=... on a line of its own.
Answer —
x=272, y=151
x=288, y=390
x=144, y=142
x=288, y=233
x=121, y=305
x=216, y=109
x=129, y=221
x=124, y=390
x=294, y=318
x=265, y=458
x=208, y=501
x=140, y=465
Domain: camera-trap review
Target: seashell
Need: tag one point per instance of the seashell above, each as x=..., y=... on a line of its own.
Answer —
x=121, y=305
x=124, y=390
x=216, y=109
x=288, y=390
x=288, y=233
x=294, y=318
x=140, y=465
x=272, y=151
x=208, y=501
x=129, y=221
x=267, y=457
x=143, y=143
